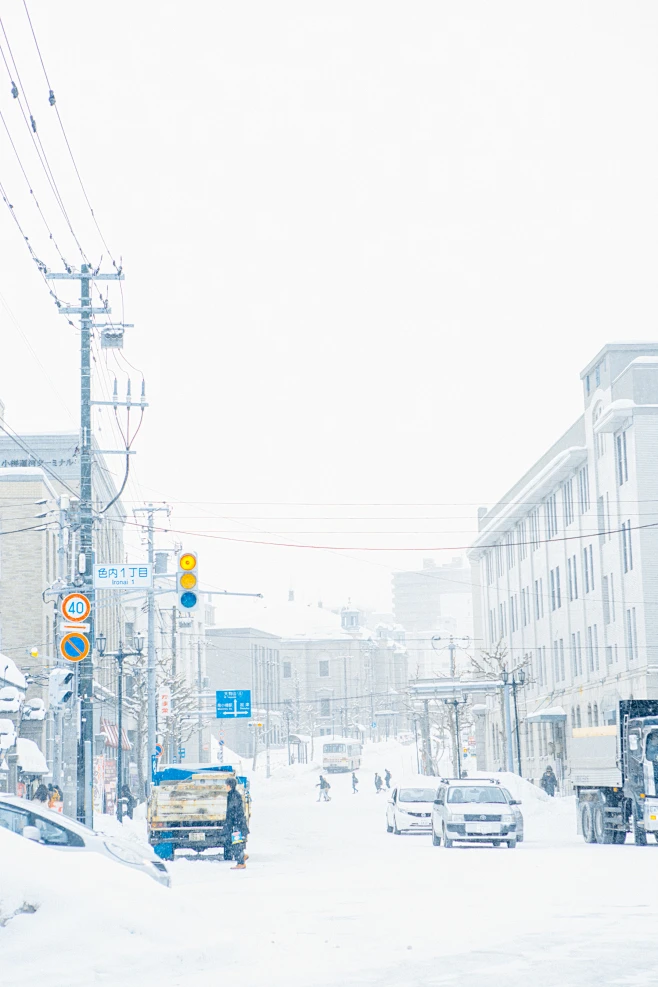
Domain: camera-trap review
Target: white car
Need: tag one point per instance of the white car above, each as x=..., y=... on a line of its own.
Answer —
x=42, y=825
x=410, y=809
x=473, y=810
x=10, y=699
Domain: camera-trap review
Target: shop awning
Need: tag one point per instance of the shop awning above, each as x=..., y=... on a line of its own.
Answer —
x=30, y=759
x=552, y=714
x=111, y=733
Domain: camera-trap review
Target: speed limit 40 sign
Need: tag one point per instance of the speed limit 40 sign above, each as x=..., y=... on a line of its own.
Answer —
x=76, y=607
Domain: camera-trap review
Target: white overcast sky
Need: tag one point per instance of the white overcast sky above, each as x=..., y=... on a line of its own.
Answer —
x=368, y=249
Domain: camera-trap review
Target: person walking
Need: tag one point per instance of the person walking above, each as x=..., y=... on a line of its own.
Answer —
x=378, y=783
x=236, y=823
x=387, y=777
x=324, y=786
x=548, y=781
x=129, y=801
x=41, y=794
x=355, y=782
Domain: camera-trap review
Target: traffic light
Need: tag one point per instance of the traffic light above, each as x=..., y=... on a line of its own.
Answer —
x=60, y=686
x=187, y=581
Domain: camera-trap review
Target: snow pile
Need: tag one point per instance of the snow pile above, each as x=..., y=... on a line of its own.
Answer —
x=77, y=917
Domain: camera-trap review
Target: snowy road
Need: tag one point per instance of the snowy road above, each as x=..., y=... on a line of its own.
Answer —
x=329, y=898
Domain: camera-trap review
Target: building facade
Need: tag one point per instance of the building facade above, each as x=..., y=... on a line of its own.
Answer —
x=565, y=568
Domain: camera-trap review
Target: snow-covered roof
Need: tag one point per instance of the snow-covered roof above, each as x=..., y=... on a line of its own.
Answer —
x=9, y=673
x=30, y=759
x=552, y=714
x=286, y=620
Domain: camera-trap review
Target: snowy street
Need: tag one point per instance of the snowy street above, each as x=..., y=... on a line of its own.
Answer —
x=329, y=897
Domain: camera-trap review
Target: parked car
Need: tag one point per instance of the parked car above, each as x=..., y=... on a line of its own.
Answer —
x=34, y=709
x=57, y=831
x=10, y=699
x=409, y=808
x=518, y=815
x=7, y=734
x=473, y=810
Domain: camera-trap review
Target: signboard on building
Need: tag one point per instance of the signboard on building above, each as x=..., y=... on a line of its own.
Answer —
x=164, y=700
x=123, y=576
x=233, y=703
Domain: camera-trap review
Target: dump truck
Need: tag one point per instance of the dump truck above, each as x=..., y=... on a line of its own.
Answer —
x=187, y=808
x=614, y=772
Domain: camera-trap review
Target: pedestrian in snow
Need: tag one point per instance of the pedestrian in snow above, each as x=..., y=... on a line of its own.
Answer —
x=548, y=781
x=236, y=823
x=41, y=794
x=355, y=782
x=129, y=801
x=378, y=783
x=387, y=777
x=324, y=787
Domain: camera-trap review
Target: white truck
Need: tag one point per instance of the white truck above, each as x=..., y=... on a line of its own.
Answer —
x=614, y=771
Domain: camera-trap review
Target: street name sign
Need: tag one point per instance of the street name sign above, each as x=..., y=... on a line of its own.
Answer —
x=128, y=575
x=74, y=646
x=233, y=703
x=164, y=700
x=75, y=607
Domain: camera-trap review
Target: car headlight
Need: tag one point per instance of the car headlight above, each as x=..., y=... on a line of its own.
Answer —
x=508, y=817
x=457, y=817
x=126, y=854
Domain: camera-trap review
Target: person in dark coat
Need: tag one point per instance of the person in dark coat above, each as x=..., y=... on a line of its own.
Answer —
x=355, y=782
x=324, y=787
x=548, y=781
x=129, y=801
x=41, y=794
x=387, y=777
x=236, y=823
x=378, y=783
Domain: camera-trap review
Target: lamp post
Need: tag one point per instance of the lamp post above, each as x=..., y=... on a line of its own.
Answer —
x=101, y=642
x=515, y=679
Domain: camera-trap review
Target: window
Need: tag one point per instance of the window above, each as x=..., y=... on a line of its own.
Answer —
x=503, y=619
x=612, y=598
x=513, y=613
x=522, y=540
x=605, y=586
x=590, y=650
x=556, y=666
x=599, y=437
x=556, y=596
x=287, y=670
x=534, y=529
x=579, y=722
x=539, y=598
x=13, y=819
x=489, y=566
x=589, y=714
x=574, y=655
x=530, y=739
x=563, y=671
x=324, y=669
x=498, y=554
x=622, y=459
x=572, y=575
x=573, y=717
x=600, y=516
x=550, y=516
x=597, y=374
x=583, y=490
x=595, y=715
x=627, y=548
x=492, y=626
x=579, y=653
x=325, y=707
x=567, y=502
x=631, y=633
x=509, y=551
x=54, y=835
x=525, y=605
x=608, y=654
x=588, y=568
x=587, y=385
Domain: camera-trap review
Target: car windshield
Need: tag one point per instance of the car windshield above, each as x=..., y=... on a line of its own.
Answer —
x=416, y=795
x=476, y=793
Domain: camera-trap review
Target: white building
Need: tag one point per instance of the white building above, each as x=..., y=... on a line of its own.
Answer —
x=565, y=566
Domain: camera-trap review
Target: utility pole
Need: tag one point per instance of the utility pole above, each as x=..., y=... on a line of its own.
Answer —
x=345, y=694
x=198, y=686
x=267, y=720
x=173, y=752
x=85, y=562
x=150, y=510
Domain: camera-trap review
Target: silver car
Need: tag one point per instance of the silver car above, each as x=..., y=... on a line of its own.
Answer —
x=52, y=829
x=472, y=811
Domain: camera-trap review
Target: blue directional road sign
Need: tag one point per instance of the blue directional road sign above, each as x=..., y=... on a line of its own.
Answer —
x=181, y=752
x=233, y=703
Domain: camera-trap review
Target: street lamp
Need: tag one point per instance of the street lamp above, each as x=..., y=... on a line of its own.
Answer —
x=515, y=679
x=120, y=654
x=456, y=703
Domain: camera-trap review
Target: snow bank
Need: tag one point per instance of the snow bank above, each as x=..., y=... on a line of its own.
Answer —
x=78, y=918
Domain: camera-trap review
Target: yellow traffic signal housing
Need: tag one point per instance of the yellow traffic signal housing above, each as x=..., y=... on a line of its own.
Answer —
x=187, y=582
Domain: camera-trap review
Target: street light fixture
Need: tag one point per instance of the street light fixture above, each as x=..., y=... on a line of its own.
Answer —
x=516, y=678
x=120, y=655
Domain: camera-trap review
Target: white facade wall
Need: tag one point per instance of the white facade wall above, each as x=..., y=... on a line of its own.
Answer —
x=566, y=566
